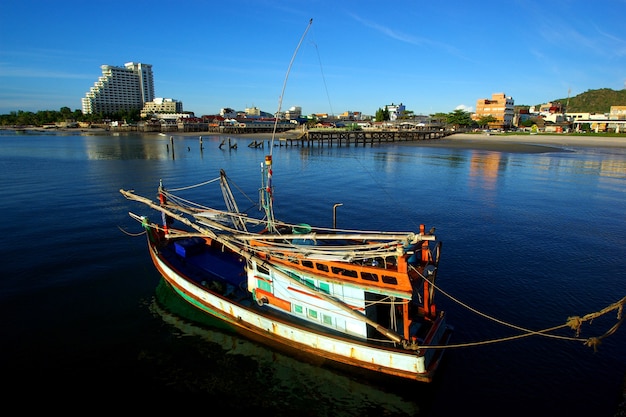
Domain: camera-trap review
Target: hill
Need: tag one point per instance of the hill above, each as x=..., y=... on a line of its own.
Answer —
x=594, y=101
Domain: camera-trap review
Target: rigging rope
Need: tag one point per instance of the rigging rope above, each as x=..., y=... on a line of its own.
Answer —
x=280, y=100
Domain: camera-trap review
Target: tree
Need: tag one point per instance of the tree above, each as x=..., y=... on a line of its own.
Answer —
x=459, y=118
x=407, y=115
x=485, y=120
x=439, y=117
x=382, y=115
x=66, y=113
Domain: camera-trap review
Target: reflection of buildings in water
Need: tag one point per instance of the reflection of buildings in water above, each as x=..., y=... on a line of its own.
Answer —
x=121, y=146
x=484, y=166
x=613, y=168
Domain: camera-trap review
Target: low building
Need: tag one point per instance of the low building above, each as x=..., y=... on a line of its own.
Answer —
x=162, y=105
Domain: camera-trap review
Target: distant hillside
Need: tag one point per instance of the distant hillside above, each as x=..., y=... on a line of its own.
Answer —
x=594, y=101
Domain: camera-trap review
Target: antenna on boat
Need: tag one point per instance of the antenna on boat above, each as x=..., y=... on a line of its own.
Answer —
x=267, y=197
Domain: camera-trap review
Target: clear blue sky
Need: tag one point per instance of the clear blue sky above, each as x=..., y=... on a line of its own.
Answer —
x=357, y=56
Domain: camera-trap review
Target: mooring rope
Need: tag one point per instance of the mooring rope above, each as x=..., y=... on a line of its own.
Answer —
x=574, y=323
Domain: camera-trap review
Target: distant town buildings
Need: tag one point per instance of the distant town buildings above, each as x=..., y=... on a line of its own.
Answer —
x=120, y=89
x=131, y=87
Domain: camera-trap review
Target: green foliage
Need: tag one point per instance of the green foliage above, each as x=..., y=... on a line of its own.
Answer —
x=485, y=120
x=594, y=101
x=25, y=118
x=382, y=115
x=459, y=118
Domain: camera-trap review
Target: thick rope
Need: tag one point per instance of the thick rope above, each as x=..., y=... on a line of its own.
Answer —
x=572, y=322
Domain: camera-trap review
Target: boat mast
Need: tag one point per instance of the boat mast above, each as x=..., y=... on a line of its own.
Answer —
x=267, y=197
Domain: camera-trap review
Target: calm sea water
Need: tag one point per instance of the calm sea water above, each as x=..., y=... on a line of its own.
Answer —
x=530, y=239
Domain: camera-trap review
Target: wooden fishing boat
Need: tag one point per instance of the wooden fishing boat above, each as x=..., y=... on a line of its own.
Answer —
x=356, y=297
x=362, y=298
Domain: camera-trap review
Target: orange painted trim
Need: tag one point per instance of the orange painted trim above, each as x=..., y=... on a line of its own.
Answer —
x=275, y=301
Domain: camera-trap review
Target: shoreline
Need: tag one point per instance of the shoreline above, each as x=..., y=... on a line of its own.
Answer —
x=498, y=142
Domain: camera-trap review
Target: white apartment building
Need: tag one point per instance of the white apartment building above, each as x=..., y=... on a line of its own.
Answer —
x=293, y=113
x=162, y=105
x=120, y=88
x=395, y=111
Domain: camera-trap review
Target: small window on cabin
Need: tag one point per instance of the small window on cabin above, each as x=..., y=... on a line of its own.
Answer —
x=369, y=276
x=389, y=280
x=350, y=273
x=307, y=264
x=327, y=320
x=322, y=267
x=312, y=314
x=262, y=269
x=298, y=308
x=325, y=287
x=264, y=285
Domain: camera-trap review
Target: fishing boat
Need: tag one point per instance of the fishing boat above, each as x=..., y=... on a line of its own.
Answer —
x=360, y=298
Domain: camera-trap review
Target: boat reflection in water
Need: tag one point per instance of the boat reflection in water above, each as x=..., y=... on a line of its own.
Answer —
x=227, y=366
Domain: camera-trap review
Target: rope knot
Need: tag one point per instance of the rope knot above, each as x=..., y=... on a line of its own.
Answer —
x=593, y=342
x=574, y=323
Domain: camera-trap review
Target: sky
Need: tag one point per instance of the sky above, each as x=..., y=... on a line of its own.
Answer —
x=358, y=56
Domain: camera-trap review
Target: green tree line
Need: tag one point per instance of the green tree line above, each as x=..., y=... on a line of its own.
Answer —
x=65, y=114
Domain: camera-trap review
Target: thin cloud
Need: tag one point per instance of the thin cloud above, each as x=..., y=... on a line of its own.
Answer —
x=406, y=38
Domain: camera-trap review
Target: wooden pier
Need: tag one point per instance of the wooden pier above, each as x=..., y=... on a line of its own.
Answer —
x=333, y=137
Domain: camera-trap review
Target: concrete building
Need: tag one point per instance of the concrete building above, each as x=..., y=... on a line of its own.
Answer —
x=162, y=105
x=294, y=112
x=120, y=89
x=395, y=111
x=500, y=107
x=253, y=112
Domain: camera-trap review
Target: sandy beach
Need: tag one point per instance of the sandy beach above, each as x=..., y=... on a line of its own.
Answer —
x=558, y=140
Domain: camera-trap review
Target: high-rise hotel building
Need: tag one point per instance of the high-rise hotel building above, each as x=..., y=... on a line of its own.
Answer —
x=120, y=88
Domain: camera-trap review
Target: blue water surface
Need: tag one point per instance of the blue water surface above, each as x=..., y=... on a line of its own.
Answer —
x=529, y=240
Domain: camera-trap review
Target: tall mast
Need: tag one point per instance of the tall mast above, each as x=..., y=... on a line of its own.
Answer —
x=267, y=193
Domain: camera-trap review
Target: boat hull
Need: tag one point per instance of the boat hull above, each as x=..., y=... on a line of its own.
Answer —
x=263, y=324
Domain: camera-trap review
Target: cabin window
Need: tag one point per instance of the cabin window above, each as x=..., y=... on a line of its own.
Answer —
x=298, y=308
x=325, y=287
x=262, y=269
x=327, y=320
x=307, y=264
x=344, y=272
x=264, y=285
x=322, y=267
x=389, y=280
x=312, y=314
x=369, y=276
x=309, y=283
